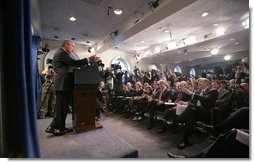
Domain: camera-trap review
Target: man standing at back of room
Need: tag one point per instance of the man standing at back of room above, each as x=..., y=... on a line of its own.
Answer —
x=63, y=86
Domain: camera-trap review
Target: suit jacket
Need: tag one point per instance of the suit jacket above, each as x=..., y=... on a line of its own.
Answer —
x=195, y=112
x=164, y=97
x=207, y=100
x=223, y=93
x=181, y=96
x=63, y=63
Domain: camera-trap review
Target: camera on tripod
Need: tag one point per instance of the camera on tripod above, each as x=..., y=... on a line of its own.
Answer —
x=116, y=66
x=100, y=64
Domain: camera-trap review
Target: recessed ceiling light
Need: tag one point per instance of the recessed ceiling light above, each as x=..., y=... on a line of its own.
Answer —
x=204, y=14
x=118, y=11
x=142, y=42
x=227, y=57
x=215, y=24
x=237, y=43
x=72, y=18
x=232, y=39
x=246, y=23
x=166, y=30
x=157, y=49
x=220, y=31
x=171, y=45
x=214, y=51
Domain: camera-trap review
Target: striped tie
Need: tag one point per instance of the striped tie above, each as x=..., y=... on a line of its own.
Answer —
x=160, y=95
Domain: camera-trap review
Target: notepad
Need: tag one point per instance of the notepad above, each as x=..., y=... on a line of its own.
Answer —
x=169, y=103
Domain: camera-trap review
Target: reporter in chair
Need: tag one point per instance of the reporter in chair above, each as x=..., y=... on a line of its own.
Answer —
x=63, y=85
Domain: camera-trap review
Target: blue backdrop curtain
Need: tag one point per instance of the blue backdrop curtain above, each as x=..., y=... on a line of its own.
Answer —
x=20, y=81
x=37, y=80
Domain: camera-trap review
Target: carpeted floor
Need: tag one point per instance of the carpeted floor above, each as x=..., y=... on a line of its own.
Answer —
x=118, y=137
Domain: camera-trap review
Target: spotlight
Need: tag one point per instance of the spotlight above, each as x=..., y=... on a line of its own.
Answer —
x=114, y=33
x=91, y=50
x=185, y=51
x=138, y=16
x=109, y=9
x=154, y=4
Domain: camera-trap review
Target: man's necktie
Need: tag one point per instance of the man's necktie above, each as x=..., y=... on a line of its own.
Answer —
x=201, y=94
x=160, y=95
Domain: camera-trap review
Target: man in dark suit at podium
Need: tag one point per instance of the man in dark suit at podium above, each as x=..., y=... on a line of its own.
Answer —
x=63, y=84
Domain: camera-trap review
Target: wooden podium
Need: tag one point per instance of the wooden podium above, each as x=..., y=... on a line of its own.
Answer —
x=86, y=81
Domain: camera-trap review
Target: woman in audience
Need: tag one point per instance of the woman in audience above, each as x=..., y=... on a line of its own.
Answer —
x=138, y=92
x=143, y=103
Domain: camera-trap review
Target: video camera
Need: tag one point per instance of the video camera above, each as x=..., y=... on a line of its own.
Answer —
x=116, y=66
x=99, y=63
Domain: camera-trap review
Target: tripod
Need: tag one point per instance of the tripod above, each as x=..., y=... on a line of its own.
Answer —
x=44, y=98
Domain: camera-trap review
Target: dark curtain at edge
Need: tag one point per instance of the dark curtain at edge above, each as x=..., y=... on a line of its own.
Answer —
x=20, y=132
x=37, y=80
x=1, y=81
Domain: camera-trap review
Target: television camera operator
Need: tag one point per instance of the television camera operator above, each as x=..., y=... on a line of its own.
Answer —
x=117, y=74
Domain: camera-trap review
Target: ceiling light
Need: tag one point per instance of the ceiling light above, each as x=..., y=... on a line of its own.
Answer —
x=227, y=57
x=246, y=23
x=118, y=11
x=146, y=53
x=204, y=14
x=91, y=50
x=72, y=19
x=220, y=31
x=214, y=51
x=157, y=49
x=142, y=42
x=236, y=43
x=171, y=45
x=166, y=30
x=232, y=39
x=215, y=24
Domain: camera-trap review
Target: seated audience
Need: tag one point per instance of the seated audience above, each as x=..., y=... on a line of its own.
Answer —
x=143, y=103
x=198, y=109
x=181, y=97
x=156, y=103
